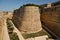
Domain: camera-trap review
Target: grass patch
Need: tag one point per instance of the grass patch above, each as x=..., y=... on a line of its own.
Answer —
x=40, y=33
x=12, y=35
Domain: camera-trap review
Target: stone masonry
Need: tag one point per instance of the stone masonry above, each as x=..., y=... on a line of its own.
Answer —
x=27, y=19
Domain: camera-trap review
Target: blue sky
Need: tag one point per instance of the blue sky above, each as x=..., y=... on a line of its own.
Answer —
x=9, y=5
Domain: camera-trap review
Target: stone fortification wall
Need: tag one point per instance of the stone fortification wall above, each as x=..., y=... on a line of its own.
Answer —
x=27, y=19
x=6, y=14
x=51, y=18
x=3, y=27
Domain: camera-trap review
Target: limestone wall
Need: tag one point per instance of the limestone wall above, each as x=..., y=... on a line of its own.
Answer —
x=27, y=19
x=6, y=14
x=3, y=28
x=10, y=14
x=51, y=18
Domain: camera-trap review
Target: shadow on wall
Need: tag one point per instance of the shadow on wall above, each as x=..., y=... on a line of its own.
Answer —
x=51, y=18
x=17, y=19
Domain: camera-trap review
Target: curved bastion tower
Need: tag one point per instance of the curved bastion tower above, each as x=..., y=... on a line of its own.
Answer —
x=27, y=19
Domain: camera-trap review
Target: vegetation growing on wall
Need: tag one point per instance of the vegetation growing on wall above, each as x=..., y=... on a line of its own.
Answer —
x=40, y=33
x=30, y=5
x=12, y=35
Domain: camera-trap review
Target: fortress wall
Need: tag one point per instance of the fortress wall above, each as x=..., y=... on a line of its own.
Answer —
x=51, y=18
x=6, y=14
x=16, y=19
x=10, y=15
x=27, y=19
x=3, y=27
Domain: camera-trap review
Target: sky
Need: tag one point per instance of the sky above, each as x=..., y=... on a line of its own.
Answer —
x=9, y=5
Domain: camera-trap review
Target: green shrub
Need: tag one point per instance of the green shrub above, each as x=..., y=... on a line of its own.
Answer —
x=40, y=33
x=13, y=35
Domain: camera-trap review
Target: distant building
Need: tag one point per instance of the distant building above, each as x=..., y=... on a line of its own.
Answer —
x=48, y=5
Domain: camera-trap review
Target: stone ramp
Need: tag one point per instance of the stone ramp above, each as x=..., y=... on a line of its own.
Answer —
x=18, y=32
x=4, y=30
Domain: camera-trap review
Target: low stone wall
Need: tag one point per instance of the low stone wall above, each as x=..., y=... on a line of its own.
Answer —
x=39, y=38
